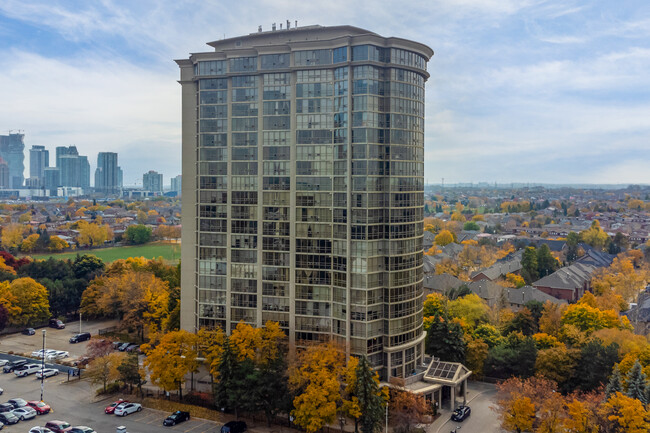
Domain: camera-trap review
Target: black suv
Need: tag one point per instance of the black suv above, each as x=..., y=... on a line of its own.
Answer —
x=80, y=337
x=6, y=407
x=234, y=427
x=461, y=413
x=11, y=366
x=176, y=417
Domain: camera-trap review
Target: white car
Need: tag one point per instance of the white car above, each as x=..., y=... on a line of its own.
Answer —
x=48, y=372
x=40, y=430
x=25, y=412
x=3, y=362
x=39, y=353
x=126, y=408
x=27, y=369
x=57, y=354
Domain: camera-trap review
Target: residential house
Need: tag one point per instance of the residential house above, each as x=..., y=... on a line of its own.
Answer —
x=568, y=283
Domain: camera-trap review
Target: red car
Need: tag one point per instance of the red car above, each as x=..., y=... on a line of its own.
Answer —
x=58, y=426
x=40, y=407
x=110, y=409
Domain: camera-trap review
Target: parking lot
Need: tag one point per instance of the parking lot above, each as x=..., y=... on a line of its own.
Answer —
x=75, y=403
x=56, y=339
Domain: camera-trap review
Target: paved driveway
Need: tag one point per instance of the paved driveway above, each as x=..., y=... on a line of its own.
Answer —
x=482, y=420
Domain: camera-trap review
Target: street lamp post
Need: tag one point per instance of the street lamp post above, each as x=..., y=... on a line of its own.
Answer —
x=42, y=365
x=80, y=322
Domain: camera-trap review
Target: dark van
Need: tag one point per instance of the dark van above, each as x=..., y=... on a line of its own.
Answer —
x=56, y=323
x=80, y=337
x=234, y=427
x=11, y=366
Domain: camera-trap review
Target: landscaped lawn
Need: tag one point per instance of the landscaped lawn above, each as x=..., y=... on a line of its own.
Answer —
x=169, y=252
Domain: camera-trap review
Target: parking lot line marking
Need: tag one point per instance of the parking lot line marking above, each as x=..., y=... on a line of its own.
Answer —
x=196, y=426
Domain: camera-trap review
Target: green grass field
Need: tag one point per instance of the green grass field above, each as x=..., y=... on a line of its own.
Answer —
x=169, y=252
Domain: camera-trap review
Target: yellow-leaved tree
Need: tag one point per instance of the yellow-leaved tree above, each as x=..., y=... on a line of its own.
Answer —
x=519, y=415
x=32, y=299
x=12, y=236
x=210, y=343
x=625, y=414
x=173, y=358
x=445, y=237
x=316, y=380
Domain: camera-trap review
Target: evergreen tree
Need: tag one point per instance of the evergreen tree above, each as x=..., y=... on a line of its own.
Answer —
x=615, y=384
x=636, y=383
x=572, y=247
x=529, y=265
x=445, y=340
x=227, y=393
x=546, y=263
x=367, y=391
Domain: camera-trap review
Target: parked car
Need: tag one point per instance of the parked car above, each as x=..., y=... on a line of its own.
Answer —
x=40, y=353
x=26, y=370
x=461, y=413
x=176, y=417
x=234, y=427
x=3, y=362
x=24, y=413
x=77, y=338
x=2, y=391
x=111, y=407
x=117, y=344
x=11, y=366
x=132, y=348
x=28, y=331
x=82, y=429
x=6, y=407
x=125, y=409
x=38, y=429
x=56, y=323
x=123, y=347
x=58, y=426
x=8, y=418
x=59, y=354
x=48, y=372
x=82, y=361
x=40, y=407
x=17, y=402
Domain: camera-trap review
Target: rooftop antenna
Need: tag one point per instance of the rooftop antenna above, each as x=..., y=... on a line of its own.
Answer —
x=259, y=29
x=296, y=23
x=280, y=26
x=273, y=27
x=288, y=24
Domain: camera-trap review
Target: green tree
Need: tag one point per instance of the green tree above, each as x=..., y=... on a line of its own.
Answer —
x=471, y=225
x=130, y=373
x=445, y=340
x=370, y=398
x=138, y=234
x=87, y=266
x=529, y=266
x=523, y=322
x=515, y=356
x=546, y=263
x=593, y=367
x=615, y=383
x=228, y=392
x=636, y=383
x=572, y=241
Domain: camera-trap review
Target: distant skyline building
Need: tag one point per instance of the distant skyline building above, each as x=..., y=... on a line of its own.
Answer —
x=177, y=183
x=107, y=174
x=303, y=166
x=39, y=159
x=12, y=151
x=52, y=179
x=64, y=150
x=4, y=174
x=152, y=181
x=74, y=169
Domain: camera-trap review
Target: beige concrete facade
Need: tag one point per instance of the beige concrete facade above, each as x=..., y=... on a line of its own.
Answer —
x=303, y=189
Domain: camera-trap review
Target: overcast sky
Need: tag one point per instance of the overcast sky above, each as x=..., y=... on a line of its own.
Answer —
x=520, y=91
